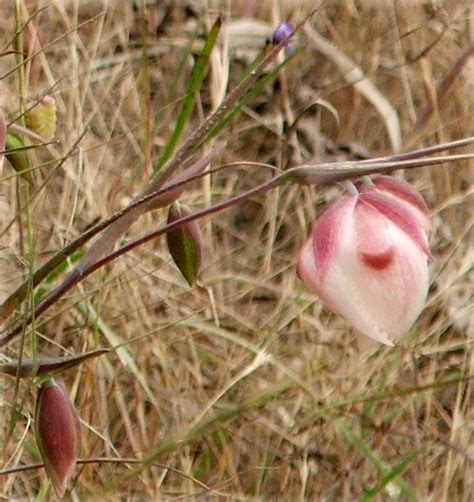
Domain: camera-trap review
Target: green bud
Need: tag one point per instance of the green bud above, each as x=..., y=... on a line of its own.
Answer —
x=18, y=157
x=184, y=243
x=42, y=118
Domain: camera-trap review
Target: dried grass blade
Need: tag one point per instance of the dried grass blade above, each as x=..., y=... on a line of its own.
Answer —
x=354, y=75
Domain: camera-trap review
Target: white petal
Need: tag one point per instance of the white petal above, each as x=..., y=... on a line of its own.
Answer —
x=381, y=304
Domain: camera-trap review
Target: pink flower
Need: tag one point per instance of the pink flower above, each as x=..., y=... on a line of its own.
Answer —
x=57, y=433
x=367, y=259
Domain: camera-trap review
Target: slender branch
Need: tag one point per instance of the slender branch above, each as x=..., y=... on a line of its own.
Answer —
x=15, y=298
x=79, y=275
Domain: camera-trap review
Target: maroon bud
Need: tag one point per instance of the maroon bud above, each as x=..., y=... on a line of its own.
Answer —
x=57, y=430
x=184, y=243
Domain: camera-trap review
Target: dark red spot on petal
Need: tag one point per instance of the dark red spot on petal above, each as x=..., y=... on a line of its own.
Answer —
x=378, y=261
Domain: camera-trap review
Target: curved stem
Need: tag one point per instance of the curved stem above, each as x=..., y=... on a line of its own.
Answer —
x=15, y=298
x=79, y=275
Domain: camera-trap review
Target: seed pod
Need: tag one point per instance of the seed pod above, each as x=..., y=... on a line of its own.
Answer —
x=42, y=118
x=184, y=243
x=57, y=431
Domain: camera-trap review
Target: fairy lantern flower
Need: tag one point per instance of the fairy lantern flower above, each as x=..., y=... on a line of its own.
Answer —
x=367, y=259
x=57, y=434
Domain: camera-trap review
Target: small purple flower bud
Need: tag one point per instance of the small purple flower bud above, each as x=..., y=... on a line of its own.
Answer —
x=284, y=30
x=184, y=243
x=57, y=429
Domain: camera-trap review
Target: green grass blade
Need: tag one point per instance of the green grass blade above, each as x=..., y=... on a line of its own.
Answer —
x=391, y=473
x=355, y=440
x=194, y=84
x=206, y=426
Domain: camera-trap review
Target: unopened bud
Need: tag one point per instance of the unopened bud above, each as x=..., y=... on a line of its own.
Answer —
x=284, y=31
x=18, y=157
x=184, y=243
x=367, y=259
x=42, y=118
x=57, y=434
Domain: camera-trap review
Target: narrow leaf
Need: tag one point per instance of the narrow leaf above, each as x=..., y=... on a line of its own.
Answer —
x=391, y=474
x=43, y=365
x=194, y=84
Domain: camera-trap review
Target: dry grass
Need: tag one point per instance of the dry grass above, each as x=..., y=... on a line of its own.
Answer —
x=245, y=385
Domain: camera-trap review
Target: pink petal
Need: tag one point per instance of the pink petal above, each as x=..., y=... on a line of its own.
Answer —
x=328, y=231
x=406, y=194
x=403, y=190
x=381, y=303
x=400, y=215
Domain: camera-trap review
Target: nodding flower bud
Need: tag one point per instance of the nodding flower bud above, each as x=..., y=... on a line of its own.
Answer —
x=184, y=243
x=57, y=429
x=42, y=118
x=367, y=259
x=284, y=30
